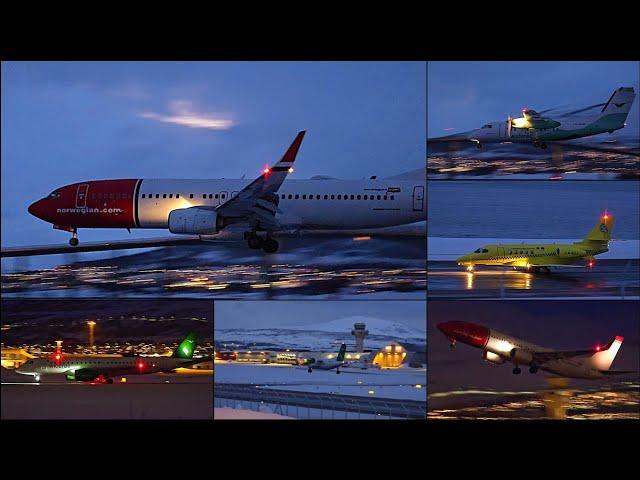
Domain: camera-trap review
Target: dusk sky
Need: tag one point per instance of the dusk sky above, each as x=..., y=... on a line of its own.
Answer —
x=64, y=122
x=269, y=314
x=466, y=95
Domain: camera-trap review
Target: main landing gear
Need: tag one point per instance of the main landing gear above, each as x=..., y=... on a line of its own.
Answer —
x=545, y=270
x=256, y=242
x=517, y=371
x=541, y=145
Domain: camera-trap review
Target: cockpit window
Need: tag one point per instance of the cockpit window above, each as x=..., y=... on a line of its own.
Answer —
x=478, y=251
x=484, y=250
x=488, y=125
x=55, y=194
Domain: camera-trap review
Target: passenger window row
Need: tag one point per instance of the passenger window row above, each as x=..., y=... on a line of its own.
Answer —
x=170, y=195
x=305, y=196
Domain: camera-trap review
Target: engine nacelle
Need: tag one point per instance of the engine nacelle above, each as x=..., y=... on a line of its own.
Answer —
x=492, y=357
x=520, y=356
x=195, y=221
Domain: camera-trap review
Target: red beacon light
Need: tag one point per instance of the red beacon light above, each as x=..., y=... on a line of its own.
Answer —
x=598, y=348
x=266, y=170
x=140, y=365
x=57, y=358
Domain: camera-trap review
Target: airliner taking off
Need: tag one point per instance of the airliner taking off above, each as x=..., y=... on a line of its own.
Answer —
x=541, y=256
x=498, y=348
x=536, y=129
x=262, y=207
x=88, y=368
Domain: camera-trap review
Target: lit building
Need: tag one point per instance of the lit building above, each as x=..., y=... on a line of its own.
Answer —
x=359, y=331
x=391, y=355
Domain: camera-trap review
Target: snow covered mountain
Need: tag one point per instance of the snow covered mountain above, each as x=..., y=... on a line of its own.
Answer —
x=321, y=336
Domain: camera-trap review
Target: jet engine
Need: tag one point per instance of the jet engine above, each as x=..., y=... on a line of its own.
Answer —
x=195, y=221
x=492, y=357
x=520, y=356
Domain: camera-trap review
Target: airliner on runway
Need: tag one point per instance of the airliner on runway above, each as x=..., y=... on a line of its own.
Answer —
x=88, y=368
x=499, y=347
x=328, y=363
x=263, y=207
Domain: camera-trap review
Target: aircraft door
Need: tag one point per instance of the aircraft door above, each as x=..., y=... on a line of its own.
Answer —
x=81, y=195
x=418, y=199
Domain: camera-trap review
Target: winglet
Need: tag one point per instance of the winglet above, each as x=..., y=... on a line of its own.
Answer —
x=290, y=155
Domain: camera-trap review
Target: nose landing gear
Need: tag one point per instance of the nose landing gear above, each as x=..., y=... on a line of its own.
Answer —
x=73, y=241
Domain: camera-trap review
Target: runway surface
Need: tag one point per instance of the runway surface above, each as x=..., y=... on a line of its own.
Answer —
x=609, y=278
x=184, y=397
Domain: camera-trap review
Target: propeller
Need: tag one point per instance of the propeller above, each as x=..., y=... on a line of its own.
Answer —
x=509, y=125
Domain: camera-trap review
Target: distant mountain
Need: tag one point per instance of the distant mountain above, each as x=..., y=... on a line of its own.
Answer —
x=320, y=336
x=376, y=326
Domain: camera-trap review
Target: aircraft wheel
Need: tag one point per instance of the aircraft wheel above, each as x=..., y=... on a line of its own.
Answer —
x=270, y=245
x=479, y=145
x=109, y=381
x=255, y=242
x=452, y=345
x=337, y=372
x=533, y=369
x=517, y=371
x=309, y=370
x=73, y=241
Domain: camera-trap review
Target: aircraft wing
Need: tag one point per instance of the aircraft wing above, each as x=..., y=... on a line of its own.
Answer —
x=542, y=357
x=257, y=203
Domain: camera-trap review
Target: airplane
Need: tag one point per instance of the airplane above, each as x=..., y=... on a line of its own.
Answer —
x=536, y=129
x=88, y=368
x=499, y=347
x=539, y=257
x=328, y=363
x=263, y=207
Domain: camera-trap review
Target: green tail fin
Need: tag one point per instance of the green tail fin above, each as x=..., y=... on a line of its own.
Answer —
x=343, y=350
x=601, y=233
x=186, y=348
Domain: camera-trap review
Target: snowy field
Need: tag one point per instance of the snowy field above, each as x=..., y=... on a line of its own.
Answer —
x=389, y=383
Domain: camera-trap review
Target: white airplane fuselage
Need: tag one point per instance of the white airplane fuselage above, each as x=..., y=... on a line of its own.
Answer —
x=303, y=204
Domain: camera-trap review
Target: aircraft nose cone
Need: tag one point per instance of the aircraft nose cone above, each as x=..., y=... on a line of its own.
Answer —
x=37, y=209
x=448, y=328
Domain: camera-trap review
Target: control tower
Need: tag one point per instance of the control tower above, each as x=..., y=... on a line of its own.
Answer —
x=359, y=331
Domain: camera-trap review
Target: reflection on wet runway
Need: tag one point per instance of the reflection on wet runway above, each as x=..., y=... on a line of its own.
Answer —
x=608, y=278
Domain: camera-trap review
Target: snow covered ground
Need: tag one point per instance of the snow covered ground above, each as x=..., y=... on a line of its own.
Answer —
x=322, y=336
x=399, y=383
x=240, y=414
x=448, y=249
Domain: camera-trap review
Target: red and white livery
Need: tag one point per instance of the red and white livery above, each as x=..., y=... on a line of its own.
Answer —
x=499, y=347
x=262, y=207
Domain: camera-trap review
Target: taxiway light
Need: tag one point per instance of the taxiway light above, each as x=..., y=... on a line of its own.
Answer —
x=123, y=380
x=418, y=385
x=371, y=392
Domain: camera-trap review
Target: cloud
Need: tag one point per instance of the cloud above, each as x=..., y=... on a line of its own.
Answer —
x=182, y=114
